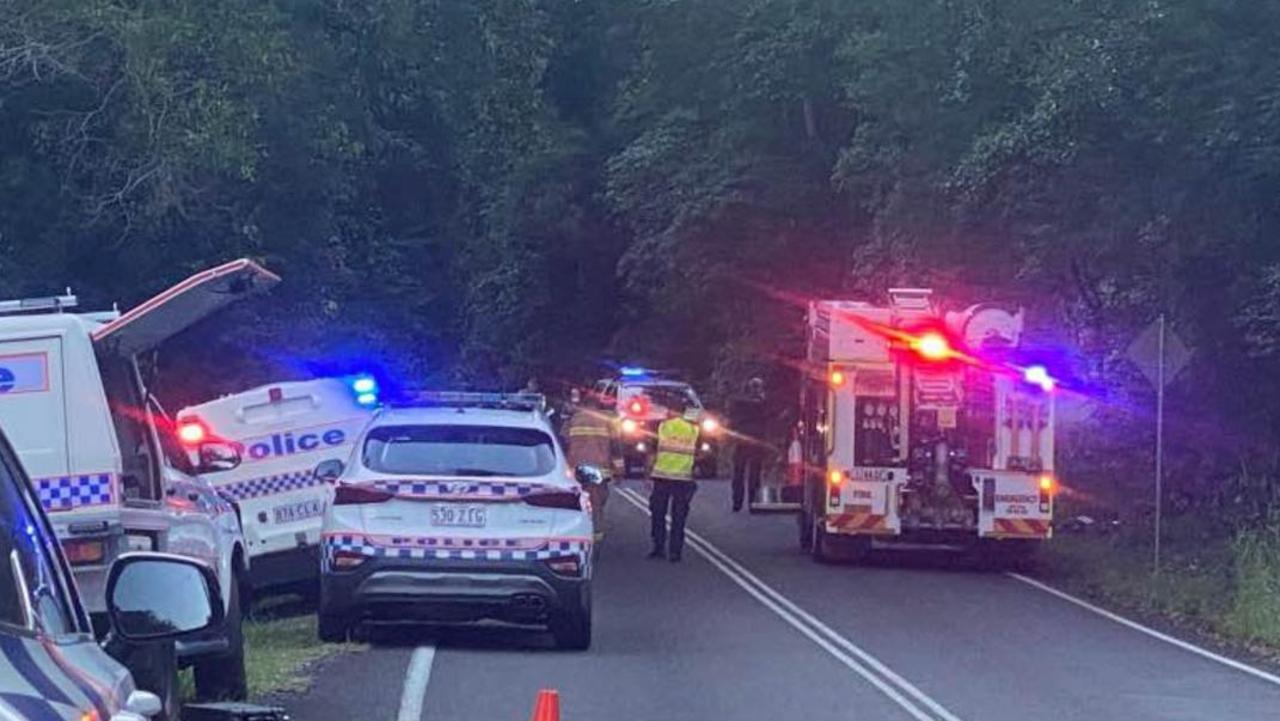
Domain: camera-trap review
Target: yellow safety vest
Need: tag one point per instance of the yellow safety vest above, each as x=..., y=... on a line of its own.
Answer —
x=677, y=442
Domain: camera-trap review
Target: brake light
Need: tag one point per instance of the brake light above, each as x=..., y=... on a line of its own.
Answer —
x=353, y=494
x=565, y=565
x=346, y=560
x=560, y=498
x=191, y=431
x=83, y=553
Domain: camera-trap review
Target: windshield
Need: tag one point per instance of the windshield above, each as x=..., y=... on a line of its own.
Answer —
x=663, y=396
x=460, y=451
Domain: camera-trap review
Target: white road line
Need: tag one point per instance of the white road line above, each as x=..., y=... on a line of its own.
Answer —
x=1232, y=663
x=415, y=683
x=838, y=646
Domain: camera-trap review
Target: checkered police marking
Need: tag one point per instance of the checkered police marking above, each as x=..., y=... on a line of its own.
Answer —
x=490, y=490
x=271, y=485
x=65, y=493
x=489, y=549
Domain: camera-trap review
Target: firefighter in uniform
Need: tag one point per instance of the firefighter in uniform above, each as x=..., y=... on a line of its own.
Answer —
x=673, y=484
x=590, y=442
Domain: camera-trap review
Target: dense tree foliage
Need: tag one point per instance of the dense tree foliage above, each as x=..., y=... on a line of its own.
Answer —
x=481, y=190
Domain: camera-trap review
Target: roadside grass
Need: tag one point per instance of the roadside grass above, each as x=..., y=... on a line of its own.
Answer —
x=280, y=653
x=1219, y=582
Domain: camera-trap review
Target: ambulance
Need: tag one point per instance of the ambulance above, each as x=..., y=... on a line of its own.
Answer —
x=102, y=454
x=922, y=427
x=282, y=431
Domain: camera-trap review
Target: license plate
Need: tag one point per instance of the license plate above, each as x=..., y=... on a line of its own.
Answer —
x=300, y=511
x=459, y=516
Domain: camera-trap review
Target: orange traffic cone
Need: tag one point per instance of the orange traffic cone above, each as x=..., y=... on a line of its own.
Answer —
x=547, y=706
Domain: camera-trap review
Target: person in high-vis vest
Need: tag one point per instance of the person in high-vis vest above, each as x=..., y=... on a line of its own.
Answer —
x=590, y=442
x=673, y=484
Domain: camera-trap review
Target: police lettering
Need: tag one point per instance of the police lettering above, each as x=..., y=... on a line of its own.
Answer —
x=285, y=444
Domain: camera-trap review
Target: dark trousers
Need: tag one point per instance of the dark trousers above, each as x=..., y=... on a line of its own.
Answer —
x=747, y=459
x=676, y=495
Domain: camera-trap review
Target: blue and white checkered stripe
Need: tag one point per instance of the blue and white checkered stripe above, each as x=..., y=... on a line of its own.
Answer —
x=449, y=550
x=66, y=493
x=456, y=489
x=271, y=485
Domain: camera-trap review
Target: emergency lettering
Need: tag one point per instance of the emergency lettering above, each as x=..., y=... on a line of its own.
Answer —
x=286, y=444
x=1016, y=498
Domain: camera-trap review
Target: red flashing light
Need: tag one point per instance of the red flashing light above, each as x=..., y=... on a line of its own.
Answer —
x=638, y=406
x=191, y=432
x=932, y=346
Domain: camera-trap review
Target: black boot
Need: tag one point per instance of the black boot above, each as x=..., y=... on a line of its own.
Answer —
x=674, y=557
x=656, y=553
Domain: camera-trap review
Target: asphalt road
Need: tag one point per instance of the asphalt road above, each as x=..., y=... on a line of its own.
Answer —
x=749, y=629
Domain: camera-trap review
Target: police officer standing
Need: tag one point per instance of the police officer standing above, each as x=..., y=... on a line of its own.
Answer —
x=590, y=442
x=673, y=484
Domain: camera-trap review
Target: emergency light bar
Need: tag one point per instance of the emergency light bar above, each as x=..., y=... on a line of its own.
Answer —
x=463, y=399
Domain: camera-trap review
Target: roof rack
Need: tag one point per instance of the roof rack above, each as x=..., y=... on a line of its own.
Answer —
x=464, y=399
x=47, y=304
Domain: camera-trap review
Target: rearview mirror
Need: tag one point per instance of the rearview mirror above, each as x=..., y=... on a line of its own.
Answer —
x=328, y=471
x=588, y=475
x=157, y=596
x=216, y=456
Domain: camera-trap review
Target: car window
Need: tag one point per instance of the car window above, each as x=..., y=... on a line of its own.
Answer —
x=663, y=396
x=30, y=570
x=460, y=451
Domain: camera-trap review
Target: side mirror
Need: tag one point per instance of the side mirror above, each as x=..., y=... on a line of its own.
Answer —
x=328, y=471
x=216, y=456
x=157, y=596
x=588, y=475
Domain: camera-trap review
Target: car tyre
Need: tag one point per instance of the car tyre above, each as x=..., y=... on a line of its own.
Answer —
x=572, y=628
x=332, y=628
x=804, y=521
x=222, y=678
x=822, y=544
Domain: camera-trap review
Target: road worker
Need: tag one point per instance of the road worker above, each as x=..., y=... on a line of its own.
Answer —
x=673, y=483
x=590, y=442
x=748, y=416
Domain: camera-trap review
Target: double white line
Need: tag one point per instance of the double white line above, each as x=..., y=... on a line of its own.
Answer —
x=901, y=691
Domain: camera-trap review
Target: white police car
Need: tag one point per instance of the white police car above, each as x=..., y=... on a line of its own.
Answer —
x=51, y=667
x=454, y=509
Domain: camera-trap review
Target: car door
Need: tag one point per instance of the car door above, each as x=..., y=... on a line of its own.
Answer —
x=45, y=635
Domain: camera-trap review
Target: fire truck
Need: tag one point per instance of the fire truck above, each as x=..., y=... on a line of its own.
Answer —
x=923, y=427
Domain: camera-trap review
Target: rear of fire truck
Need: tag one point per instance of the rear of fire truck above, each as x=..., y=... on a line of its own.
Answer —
x=923, y=428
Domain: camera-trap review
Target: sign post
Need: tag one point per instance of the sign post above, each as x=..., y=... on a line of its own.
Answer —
x=1160, y=356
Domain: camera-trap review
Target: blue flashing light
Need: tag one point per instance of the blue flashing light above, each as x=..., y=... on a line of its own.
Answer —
x=367, y=399
x=633, y=372
x=364, y=384
x=1039, y=376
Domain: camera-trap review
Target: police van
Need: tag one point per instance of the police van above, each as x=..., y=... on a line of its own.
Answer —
x=281, y=431
x=103, y=457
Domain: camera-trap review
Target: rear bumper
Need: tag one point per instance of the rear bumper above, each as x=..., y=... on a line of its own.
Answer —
x=450, y=591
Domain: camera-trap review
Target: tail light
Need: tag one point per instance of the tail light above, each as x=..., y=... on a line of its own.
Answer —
x=351, y=494
x=837, y=379
x=84, y=553
x=834, y=480
x=835, y=477
x=566, y=499
x=192, y=431
x=565, y=565
x=346, y=560
x=1048, y=487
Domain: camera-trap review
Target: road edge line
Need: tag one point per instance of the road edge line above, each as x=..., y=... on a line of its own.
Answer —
x=416, y=678
x=1134, y=625
x=796, y=618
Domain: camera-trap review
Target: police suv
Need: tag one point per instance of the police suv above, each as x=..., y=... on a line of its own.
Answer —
x=281, y=432
x=458, y=507
x=51, y=667
x=104, y=459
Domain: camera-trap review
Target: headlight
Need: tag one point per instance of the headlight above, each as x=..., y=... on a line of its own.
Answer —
x=710, y=425
x=629, y=426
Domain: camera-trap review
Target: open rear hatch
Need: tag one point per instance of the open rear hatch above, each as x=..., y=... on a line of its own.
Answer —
x=150, y=323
